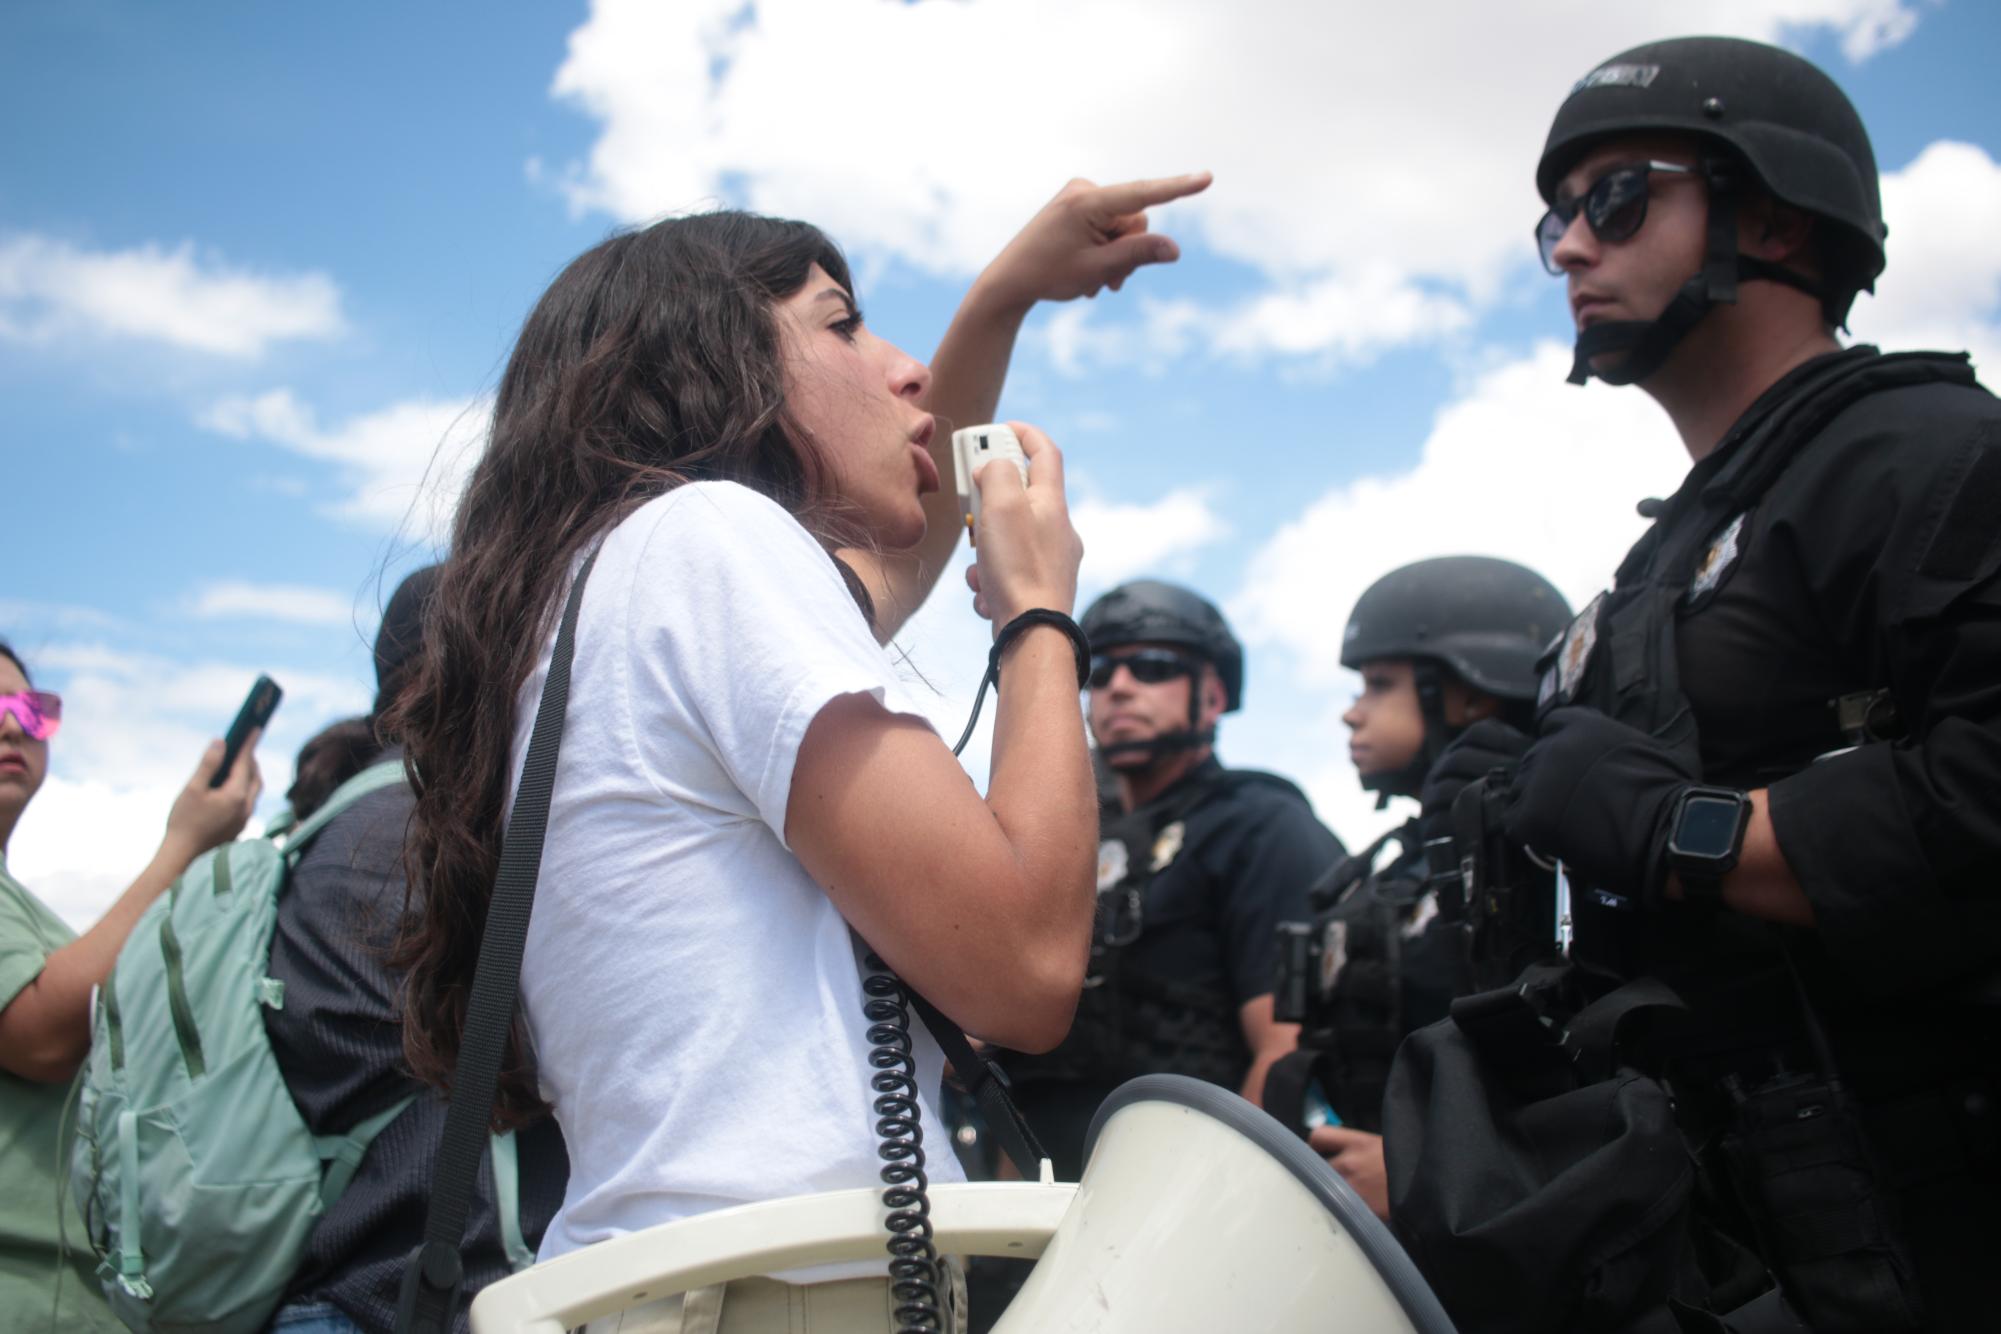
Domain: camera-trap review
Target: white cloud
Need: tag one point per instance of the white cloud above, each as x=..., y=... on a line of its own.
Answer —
x=404, y=466
x=65, y=616
x=50, y=288
x=1942, y=288
x=1346, y=316
x=1125, y=540
x=134, y=726
x=1872, y=27
x=1079, y=341
x=271, y=602
x=1372, y=165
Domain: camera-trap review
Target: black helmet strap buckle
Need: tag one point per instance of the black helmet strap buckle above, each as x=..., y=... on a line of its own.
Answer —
x=1719, y=263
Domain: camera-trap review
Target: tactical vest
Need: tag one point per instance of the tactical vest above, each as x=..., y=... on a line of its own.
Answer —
x=1792, y=1150
x=1619, y=654
x=1132, y=1020
x=1362, y=947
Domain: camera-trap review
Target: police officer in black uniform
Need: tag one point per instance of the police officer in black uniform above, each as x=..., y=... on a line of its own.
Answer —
x=1440, y=644
x=1197, y=866
x=1771, y=756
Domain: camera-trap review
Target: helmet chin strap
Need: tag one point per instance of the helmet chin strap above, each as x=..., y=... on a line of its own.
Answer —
x=1648, y=343
x=1166, y=743
x=1192, y=737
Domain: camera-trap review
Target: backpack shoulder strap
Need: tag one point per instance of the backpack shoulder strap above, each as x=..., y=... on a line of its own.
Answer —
x=434, y=1269
x=372, y=779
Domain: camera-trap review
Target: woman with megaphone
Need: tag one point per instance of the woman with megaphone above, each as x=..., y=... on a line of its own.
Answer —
x=697, y=421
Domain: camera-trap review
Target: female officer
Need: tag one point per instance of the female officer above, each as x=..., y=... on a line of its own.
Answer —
x=1441, y=645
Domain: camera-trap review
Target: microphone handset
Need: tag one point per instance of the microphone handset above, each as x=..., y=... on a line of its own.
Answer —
x=972, y=448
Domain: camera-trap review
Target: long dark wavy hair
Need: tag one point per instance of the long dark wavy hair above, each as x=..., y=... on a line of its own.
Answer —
x=653, y=360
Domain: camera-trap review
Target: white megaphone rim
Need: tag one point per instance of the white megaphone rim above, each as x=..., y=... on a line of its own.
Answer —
x=1370, y=1235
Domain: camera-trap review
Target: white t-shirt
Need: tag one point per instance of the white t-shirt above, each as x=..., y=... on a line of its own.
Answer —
x=693, y=997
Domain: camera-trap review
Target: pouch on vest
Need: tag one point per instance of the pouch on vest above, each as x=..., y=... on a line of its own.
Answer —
x=1539, y=1182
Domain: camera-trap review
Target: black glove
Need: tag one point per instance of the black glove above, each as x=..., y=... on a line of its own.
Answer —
x=1487, y=745
x=1599, y=794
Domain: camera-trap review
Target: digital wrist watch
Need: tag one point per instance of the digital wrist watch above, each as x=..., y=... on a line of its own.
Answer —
x=1705, y=837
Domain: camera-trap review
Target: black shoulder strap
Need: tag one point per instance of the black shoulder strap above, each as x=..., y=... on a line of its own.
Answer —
x=434, y=1270
x=987, y=1082
x=1527, y=1044
x=1808, y=411
x=1352, y=869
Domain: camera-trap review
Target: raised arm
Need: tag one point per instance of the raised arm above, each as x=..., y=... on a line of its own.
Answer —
x=45, y=1028
x=1088, y=238
x=982, y=905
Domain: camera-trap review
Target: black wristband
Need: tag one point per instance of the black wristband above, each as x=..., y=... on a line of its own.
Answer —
x=1043, y=616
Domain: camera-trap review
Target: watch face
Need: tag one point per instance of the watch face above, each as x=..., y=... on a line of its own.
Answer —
x=1708, y=827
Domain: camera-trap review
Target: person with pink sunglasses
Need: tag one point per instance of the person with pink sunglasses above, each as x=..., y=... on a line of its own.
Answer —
x=47, y=975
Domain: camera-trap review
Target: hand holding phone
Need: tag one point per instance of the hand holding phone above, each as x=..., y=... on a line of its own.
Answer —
x=258, y=706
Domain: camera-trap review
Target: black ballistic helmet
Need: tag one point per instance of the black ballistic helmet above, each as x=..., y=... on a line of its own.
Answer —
x=1486, y=619
x=1777, y=117
x=1147, y=611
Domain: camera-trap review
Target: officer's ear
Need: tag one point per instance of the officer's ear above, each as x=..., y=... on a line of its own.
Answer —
x=1465, y=705
x=1778, y=234
x=1213, y=696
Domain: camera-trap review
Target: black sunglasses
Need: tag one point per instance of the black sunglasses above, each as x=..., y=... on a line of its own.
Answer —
x=1614, y=206
x=1149, y=666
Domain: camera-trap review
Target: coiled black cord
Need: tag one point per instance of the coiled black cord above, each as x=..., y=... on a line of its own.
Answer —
x=915, y=1272
x=916, y=1275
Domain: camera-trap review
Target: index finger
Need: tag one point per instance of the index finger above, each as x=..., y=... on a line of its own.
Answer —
x=1132, y=196
x=244, y=772
x=1335, y=1139
x=210, y=761
x=1045, y=460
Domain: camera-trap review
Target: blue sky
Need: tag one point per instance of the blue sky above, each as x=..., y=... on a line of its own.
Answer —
x=260, y=265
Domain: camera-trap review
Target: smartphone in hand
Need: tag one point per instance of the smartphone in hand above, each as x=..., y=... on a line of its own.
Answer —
x=258, y=706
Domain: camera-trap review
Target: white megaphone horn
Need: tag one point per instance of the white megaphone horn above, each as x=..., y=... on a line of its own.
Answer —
x=1197, y=1212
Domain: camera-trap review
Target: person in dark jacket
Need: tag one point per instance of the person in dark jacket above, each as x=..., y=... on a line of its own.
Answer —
x=1440, y=645
x=1769, y=756
x=1197, y=865
x=339, y=1037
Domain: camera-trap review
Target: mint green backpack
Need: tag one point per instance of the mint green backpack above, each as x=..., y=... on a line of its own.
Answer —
x=197, y=1178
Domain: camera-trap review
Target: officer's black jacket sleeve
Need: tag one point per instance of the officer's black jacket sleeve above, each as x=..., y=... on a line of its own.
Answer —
x=1275, y=857
x=1897, y=527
